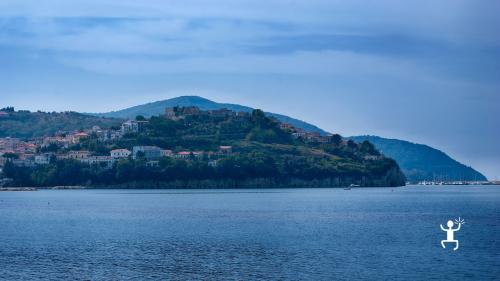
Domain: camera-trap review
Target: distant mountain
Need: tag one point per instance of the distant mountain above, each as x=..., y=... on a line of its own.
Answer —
x=421, y=162
x=158, y=107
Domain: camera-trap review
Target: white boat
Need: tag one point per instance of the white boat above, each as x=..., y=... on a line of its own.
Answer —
x=351, y=186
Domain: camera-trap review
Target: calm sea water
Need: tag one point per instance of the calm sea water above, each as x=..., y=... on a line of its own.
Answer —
x=255, y=234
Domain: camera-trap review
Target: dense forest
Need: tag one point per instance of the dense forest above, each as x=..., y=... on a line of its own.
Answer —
x=263, y=155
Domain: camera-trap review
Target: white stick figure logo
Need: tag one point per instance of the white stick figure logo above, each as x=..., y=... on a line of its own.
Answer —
x=450, y=237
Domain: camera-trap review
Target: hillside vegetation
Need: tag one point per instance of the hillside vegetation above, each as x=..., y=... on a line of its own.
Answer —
x=158, y=108
x=263, y=155
x=26, y=124
x=421, y=162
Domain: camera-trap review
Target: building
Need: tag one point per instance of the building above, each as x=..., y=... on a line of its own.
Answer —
x=170, y=113
x=313, y=136
x=183, y=155
x=191, y=110
x=153, y=163
x=133, y=127
x=197, y=154
x=148, y=152
x=299, y=134
x=102, y=161
x=23, y=162
x=120, y=153
x=3, y=160
x=225, y=149
x=78, y=154
x=166, y=153
x=286, y=126
x=25, y=148
x=76, y=138
x=9, y=143
x=43, y=159
x=58, y=140
x=109, y=135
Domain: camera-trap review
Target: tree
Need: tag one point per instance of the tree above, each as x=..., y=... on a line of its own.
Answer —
x=8, y=109
x=336, y=139
x=351, y=144
x=10, y=155
x=368, y=148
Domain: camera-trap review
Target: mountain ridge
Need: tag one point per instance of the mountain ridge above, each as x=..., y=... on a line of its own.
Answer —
x=158, y=107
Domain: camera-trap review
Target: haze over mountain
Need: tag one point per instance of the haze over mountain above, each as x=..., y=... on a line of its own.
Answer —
x=421, y=162
x=158, y=107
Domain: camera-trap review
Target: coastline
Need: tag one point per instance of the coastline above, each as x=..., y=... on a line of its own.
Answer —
x=229, y=184
x=6, y=189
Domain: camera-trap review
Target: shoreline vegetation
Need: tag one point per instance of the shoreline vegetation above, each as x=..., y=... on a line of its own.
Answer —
x=191, y=148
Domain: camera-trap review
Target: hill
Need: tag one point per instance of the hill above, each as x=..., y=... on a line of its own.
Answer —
x=418, y=162
x=26, y=124
x=421, y=162
x=158, y=108
x=193, y=148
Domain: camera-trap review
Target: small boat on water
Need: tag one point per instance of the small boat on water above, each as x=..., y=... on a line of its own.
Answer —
x=351, y=186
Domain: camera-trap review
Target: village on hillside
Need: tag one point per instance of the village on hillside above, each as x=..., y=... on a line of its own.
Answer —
x=60, y=146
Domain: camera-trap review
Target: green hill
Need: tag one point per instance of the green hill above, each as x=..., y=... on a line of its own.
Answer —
x=217, y=149
x=26, y=124
x=418, y=162
x=158, y=108
x=421, y=162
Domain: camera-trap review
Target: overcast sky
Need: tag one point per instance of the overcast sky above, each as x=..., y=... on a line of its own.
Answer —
x=423, y=71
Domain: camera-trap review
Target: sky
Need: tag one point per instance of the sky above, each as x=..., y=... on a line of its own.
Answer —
x=422, y=71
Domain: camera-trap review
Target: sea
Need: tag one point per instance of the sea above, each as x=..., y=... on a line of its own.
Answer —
x=250, y=234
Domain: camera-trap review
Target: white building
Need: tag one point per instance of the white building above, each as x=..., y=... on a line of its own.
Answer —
x=43, y=159
x=103, y=161
x=133, y=126
x=148, y=152
x=183, y=155
x=78, y=154
x=166, y=153
x=120, y=153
